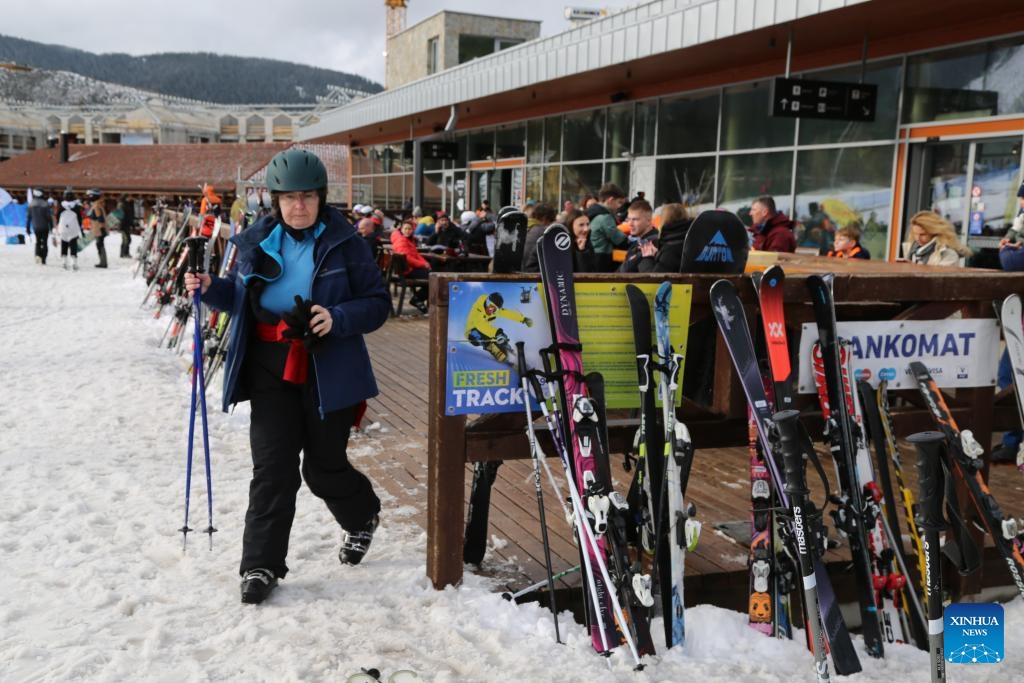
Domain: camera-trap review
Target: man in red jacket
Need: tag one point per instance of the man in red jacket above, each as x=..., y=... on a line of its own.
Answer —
x=773, y=231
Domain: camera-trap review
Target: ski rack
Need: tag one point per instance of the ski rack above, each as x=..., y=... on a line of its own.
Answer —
x=455, y=440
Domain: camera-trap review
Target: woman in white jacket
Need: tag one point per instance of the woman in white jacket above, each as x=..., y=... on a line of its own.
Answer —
x=933, y=241
x=69, y=229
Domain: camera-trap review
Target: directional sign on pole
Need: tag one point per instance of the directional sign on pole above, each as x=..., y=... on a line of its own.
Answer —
x=800, y=98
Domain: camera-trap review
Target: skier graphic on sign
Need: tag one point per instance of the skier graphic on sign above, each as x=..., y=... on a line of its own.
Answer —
x=482, y=331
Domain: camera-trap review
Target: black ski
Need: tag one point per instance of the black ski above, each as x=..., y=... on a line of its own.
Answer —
x=843, y=451
x=728, y=311
x=930, y=479
x=801, y=512
x=645, y=491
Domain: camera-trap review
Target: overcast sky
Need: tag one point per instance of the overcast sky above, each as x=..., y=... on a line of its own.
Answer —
x=345, y=35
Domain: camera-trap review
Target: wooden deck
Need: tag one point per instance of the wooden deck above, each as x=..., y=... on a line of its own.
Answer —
x=719, y=486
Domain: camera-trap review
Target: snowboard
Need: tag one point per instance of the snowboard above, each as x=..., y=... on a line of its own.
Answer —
x=716, y=242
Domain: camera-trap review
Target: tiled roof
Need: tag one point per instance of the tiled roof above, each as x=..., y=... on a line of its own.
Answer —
x=154, y=169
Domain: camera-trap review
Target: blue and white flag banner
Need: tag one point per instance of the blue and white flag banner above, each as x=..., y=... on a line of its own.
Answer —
x=959, y=353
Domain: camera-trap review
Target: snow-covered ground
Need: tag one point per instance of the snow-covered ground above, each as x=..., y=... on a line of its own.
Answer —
x=95, y=585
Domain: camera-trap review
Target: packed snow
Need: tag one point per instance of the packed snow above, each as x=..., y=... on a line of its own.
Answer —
x=96, y=585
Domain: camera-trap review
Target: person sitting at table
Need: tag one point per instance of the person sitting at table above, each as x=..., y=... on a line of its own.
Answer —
x=446, y=235
x=583, y=258
x=367, y=229
x=417, y=268
x=544, y=215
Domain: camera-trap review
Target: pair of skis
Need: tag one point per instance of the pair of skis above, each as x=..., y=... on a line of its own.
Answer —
x=617, y=595
x=667, y=527
x=731, y=318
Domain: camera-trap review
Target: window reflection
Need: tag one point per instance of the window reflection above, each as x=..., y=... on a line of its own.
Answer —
x=965, y=82
x=690, y=181
x=688, y=124
x=744, y=177
x=887, y=77
x=840, y=187
x=747, y=122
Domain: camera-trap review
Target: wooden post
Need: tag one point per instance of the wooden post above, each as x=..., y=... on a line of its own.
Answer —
x=446, y=457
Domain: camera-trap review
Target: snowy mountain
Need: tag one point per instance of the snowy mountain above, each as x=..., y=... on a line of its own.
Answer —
x=66, y=88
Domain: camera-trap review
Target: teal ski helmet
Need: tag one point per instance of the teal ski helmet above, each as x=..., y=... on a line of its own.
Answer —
x=296, y=170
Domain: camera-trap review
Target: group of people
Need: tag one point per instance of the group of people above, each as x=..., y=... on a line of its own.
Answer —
x=66, y=223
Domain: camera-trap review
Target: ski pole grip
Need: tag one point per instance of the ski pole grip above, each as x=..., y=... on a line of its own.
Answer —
x=929, y=447
x=521, y=358
x=196, y=252
x=787, y=422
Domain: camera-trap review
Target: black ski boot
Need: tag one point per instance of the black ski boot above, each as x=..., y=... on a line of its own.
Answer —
x=354, y=544
x=257, y=585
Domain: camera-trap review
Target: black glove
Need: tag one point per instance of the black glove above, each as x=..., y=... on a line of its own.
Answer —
x=298, y=324
x=501, y=338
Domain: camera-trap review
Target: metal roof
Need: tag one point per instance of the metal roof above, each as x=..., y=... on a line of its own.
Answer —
x=642, y=31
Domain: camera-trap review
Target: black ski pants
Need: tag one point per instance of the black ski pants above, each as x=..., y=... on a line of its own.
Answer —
x=42, y=248
x=285, y=420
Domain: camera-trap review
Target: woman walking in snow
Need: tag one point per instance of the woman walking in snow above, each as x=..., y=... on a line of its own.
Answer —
x=304, y=291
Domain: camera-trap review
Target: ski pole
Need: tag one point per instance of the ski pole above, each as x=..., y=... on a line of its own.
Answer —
x=535, y=453
x=796, y=489
x=930, y=478
x=508, y=595
x=196, y=247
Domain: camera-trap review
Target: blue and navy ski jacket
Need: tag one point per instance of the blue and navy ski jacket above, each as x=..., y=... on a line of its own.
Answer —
x=346, y=281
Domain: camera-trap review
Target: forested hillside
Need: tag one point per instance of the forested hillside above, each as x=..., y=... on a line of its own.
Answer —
x=200, y=76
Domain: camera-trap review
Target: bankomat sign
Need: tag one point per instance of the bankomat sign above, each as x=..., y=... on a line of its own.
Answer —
x=959, y=353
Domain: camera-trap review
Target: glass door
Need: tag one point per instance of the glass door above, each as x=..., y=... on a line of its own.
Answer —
x=971, y=183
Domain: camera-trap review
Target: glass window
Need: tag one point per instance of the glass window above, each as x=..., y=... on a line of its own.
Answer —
x=471, y=47
x=552, y=139
x=996, y=174
x=646, y=122
x=620, y=131
x=840, y=187
x=744, y=177
x=436, y=164
x=887, y=77
x=688, y=124
x=360, y=163
x=399, y=190
x=481, y=145
x=511, y=141
x=690, y=181
x=746, y=119
x=380, y=191
x=616, y=172
x=535, y=141
x=431, y=193
x=966, y=82
x=578, y=180
x=584, y=135
x=433, y=63
x=551, y=189
x=533, y=184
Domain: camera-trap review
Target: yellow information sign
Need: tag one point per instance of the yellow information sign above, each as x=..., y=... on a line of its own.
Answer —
x=606, y=333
